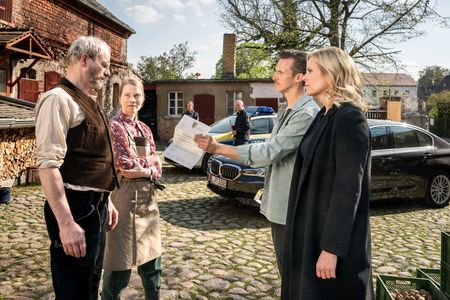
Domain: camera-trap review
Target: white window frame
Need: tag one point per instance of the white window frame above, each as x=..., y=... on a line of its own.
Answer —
x=179, y=109
x=236, y=95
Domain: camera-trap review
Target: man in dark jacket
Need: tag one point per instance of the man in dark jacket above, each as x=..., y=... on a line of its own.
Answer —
x=241, y=128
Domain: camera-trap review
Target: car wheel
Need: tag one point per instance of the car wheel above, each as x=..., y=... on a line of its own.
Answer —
x=438, y=190
x=205, y=162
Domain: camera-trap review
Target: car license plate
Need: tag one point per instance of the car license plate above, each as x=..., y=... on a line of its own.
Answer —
x=222, y=183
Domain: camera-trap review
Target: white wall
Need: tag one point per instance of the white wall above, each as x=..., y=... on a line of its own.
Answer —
x=264, y=90
x=401, y=91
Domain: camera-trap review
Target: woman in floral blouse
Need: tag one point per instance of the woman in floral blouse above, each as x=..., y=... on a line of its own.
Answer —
x=136, y=241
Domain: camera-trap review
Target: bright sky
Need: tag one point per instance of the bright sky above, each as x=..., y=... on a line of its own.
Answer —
x=160, y=24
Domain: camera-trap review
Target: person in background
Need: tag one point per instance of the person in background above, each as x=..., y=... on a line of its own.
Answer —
x=327, y=251
x=278, y=153
x=241, y=127
x=190, y=111
x=76, y=168
x=136, y=241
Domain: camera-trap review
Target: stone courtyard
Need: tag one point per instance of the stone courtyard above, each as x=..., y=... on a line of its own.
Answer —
x=214, y=248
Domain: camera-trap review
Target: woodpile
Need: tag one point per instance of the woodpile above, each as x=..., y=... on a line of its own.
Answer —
x=17, y=147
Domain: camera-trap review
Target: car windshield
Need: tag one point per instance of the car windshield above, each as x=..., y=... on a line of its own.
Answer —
x=223, y=125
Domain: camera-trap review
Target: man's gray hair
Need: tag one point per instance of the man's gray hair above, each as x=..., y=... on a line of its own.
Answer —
x=86, y=45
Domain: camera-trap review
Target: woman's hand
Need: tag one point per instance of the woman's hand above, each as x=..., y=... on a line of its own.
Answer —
x=137, y=172
x=326, y=265
x=206, y=142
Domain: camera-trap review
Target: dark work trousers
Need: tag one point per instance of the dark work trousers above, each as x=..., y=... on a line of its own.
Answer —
x=114, y=282
x=78, y=278
x=278, y=242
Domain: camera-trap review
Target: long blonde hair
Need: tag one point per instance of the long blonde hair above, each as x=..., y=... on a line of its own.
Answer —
x=343, y=76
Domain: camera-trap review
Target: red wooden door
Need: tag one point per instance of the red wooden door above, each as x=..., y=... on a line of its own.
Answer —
x=28, y=90
x=270, y=102
x=204, y=106
x=51, y=79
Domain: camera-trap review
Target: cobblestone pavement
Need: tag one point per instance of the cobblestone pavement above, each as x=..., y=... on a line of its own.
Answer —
x=213, y=248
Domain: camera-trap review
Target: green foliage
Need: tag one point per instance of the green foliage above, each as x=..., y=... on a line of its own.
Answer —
x=428, y=78
x=252, y=61
x=440, y=112
x=170, y=65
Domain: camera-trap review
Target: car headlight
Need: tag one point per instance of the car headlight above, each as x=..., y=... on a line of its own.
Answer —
x=258, y=172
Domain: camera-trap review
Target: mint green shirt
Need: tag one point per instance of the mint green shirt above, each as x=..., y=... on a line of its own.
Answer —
x=278, y=156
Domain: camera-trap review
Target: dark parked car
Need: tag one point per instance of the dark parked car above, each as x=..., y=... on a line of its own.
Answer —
x=407, y=162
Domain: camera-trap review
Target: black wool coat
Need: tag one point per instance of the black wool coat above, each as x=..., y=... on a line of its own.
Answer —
x=329, y=209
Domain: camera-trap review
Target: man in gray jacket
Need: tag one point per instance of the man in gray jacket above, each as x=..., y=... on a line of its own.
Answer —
x=279, y=152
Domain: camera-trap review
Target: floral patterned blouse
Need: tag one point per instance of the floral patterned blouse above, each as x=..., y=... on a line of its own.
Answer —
x=124, y=156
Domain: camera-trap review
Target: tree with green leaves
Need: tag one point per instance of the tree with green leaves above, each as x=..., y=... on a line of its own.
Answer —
x=366, y=29
x=252, y=61
x=428, y=78
x=440, y=113
x=171, y=65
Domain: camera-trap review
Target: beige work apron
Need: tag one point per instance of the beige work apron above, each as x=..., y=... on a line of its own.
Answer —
x=137, y=236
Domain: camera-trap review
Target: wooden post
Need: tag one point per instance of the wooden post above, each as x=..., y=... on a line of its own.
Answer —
x=394, y=110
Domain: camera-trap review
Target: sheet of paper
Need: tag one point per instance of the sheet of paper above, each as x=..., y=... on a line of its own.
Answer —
x=183, y=149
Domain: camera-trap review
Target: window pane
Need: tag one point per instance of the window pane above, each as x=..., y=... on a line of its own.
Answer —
x=172, y=103
x=223, y=125
x=424, y=139
x=405, y=137
x=180, y=104
x=171, y=111
x=259, y=126
x=180, y=111
x=3, y=81
x=180, y=95
x=379, y=138
x=171, y=95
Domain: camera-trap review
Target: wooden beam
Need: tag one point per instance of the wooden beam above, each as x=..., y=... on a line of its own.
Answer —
x=24, y=72
x=28, y=52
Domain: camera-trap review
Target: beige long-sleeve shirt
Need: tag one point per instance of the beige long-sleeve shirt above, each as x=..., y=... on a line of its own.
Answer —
x=56, y=113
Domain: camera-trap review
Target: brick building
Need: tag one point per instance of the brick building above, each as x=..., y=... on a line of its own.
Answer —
x=35, y=36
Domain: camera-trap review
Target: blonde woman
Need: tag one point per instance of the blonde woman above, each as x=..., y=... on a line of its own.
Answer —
x=327, y=242
x=136, y=241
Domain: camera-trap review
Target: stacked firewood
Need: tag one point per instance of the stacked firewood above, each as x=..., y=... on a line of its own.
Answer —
x=17, y=148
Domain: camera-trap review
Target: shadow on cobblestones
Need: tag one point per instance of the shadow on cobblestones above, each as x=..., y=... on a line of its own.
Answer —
x=212, y=214
x=396, y=206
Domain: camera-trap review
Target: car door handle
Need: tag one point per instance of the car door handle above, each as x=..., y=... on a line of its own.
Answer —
x=427, y=155
x=385, y=160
